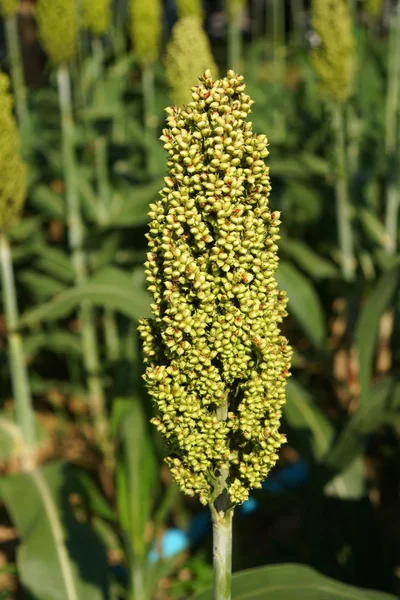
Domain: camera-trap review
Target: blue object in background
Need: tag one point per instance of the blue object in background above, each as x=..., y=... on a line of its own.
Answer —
x=173, y=541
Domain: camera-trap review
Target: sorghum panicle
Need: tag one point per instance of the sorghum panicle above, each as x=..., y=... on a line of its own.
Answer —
x=146, y=23
x=214, y=337
x=13, y=170
x=97, y=15
x=334, y=57
x=189, y=8
x=58, y=28
x=188, y=54
x=9, y=7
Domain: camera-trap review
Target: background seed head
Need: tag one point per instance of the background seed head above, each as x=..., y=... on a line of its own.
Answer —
x=334, y=56
x=189, y=8
x=214, y=336
x=188, y=54
x=9, y=7
x=97, y=15
x=146, y=22
x=13, y=170
x=58, y=28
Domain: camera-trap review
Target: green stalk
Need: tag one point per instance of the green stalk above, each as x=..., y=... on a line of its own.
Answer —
x=222, y=555
x=343, y=211
x=75, y=232
x=17, y=77
x=298, y=10
x=150, y=117
x=234, y=43
x=392, y=106
x=19, y=376
x=278, y=36
x=222, y=516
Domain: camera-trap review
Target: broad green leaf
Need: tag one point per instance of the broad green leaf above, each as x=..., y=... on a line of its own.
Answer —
x=373, y=226
x=59, y=342
x=40, y=286
x=292, y=582
x=350, y=483
x=367, y=329
x=110, y=287
x=312, y=430
x=130, y=208
x=304, y=303
x=59, y=558
x=308, y=260
x=11, y=440
x=47, y=202
x=96, y=502
x=137, y=473
x=351, y=442
x=55, y=262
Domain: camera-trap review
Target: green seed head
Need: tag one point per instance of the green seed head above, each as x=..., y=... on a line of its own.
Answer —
x=9, y=7
x=188, y=54
x=58, y=28
x=97, y=15
x=189, y=8
x=234, y=8
x=12, y=169
x=334, y=57
x=146, y=21
x=213, y=346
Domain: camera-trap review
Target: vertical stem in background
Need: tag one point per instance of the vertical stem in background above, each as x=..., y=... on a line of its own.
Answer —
x=278, y=37
x=222, y=517
x=17, y=77
x=392, y=194
x=235, y=42
x=343, y=212
x=257, y=21
x=298, y=11
x=75, y=232
x=150, y=117
x=19, y=377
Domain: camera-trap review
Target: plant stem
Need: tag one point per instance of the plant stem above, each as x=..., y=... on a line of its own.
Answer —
x=298, y=11
x=222, y=554
x=343, y=213
x=278, y=36
x=19, y=376
x=392, y=190
x=222, y=516
x=150, y=117
x=75, y=232
x=17, y=77
x=234, y=42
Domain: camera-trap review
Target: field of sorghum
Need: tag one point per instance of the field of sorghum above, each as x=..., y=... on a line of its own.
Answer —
x=91, y=502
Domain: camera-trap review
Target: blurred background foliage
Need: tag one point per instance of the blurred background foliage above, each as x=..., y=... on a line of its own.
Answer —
x=93, y=513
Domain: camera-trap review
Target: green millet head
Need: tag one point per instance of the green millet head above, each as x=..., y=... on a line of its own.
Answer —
x=188, y=54
x=334, y=57
x=189, y=8
x=146, y=24
x=58, y=28
x=12, y=169
x=9, y=7
x=96, y=16
x=216, y=361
